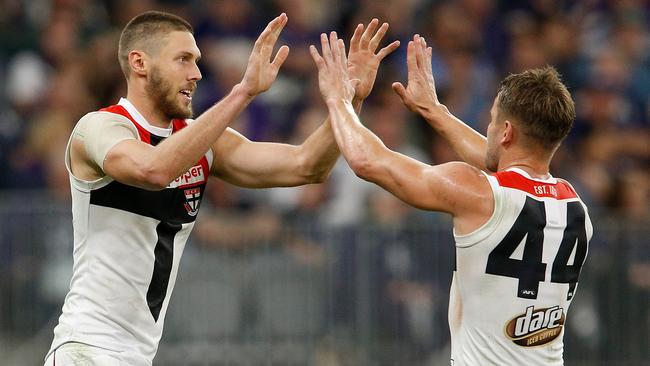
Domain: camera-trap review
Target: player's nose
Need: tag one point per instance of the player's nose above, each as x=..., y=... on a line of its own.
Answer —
x=195, y=74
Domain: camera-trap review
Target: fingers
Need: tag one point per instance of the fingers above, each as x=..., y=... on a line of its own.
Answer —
x=411, y=62
x=419, y=52
x=325, y=48
x=280, y=57
x=338, y=51
x=388, y=50
x=367, y=34
x=343, y=60
x=376, y=39
x=356, y=38
x=271, y=33
x=318, y=60
x=399, y=89
x=335, y=48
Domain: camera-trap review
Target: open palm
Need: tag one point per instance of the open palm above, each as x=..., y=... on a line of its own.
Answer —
x=261, y=71
x=363, y=62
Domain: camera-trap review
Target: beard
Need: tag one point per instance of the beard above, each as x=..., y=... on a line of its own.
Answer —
x=165, y=97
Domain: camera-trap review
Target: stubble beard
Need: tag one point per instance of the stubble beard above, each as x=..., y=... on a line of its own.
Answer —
x=491, y=160
x=165, y=97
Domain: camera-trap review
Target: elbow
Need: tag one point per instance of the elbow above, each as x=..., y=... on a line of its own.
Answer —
x=155, y=179
x=318, y=176
x=314, y=173
x=361, y=166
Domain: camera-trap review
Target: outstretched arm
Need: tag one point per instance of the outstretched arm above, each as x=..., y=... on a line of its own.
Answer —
x=258, y=164
x=420, y=97
x=152, y=167
x=449, y=187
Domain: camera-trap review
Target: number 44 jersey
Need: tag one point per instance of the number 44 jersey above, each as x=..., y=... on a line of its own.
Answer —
x=516, y=275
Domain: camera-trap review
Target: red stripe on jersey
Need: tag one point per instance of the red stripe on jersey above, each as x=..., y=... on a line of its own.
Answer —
x=178, y=124
x=560, y=190
x=145, y=136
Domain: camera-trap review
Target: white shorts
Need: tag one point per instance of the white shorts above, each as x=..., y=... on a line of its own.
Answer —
x=80, y=354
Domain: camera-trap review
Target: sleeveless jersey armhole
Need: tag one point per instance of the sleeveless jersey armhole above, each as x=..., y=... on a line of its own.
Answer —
x=76, y=182
x=476, y=236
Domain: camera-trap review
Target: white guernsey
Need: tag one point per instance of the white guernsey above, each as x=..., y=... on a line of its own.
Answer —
x=516, y=275
x=128, y=242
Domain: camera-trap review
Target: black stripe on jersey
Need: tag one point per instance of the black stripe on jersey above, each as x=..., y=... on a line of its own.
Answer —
x=168, y=204
x=164, y=257
x=155, y=139
x=165, y=205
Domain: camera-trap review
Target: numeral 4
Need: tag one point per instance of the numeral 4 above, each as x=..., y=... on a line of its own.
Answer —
x=530, y=270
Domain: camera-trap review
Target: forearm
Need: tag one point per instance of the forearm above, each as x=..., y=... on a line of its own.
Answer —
x=358, y=145
x=178, y=153
x=320, y=151
x=470, y=145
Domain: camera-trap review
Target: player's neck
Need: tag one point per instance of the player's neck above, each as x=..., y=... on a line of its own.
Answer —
x=535, y=167
x=146, y=107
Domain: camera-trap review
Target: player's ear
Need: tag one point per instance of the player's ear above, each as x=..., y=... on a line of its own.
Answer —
x=508, y=133
x=138, y=62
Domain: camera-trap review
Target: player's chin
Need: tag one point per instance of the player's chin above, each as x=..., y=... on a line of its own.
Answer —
x=185, y=104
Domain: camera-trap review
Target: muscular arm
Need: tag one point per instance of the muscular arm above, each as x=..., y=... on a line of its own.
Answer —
x=448, y=187
x=468, y=143
x=245, y=163
x=257, y=165
x=265, y=164
x=420, y=97
x=456, y=188
x=139, y=164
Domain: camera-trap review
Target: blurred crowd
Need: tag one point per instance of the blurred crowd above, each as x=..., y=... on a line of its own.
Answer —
x=58, y=61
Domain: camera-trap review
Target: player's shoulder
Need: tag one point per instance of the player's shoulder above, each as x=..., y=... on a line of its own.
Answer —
x=466, y=191
x=464, y=174
x=463, y=182
x=101, y=117
x=102, y=123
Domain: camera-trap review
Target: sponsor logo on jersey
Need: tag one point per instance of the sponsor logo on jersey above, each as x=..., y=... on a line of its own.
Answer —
x=194, y=175
x=536, y=327
x=545, y=190
x=192, y=200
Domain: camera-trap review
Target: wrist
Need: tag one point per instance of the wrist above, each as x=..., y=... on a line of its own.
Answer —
x=357, y=102
x=242, y=91
x=336, y=101
x=435, y=112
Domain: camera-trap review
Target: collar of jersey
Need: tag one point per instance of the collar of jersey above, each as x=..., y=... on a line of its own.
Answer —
x=550, y=180
x=158, y=131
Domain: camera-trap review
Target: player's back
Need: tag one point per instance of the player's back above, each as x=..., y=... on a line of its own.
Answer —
x=516, y=275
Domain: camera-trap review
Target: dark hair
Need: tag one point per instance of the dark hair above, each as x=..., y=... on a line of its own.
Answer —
x=144, y=32
x=540, y=103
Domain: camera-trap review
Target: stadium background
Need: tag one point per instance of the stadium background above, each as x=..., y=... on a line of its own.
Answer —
x=339, y=273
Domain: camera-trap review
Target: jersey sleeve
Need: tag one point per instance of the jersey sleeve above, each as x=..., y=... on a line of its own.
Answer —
x=101, y=131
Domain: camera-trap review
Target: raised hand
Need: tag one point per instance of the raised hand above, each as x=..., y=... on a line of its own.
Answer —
x=333, y=79
x=420, y=93
x=261, y=71
x=363, y=62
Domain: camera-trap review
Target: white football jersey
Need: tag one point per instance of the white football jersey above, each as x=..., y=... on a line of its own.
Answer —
x=516, y=275
x=128, y=243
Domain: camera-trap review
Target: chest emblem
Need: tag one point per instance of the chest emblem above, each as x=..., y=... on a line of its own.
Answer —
x=192, y=200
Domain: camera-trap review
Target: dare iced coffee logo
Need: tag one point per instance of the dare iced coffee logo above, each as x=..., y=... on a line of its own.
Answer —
x=536, y=327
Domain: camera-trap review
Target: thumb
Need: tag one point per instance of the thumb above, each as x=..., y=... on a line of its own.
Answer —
x=355, y=82
x=399, y=89
x=280, y=57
